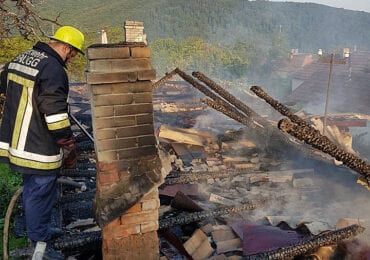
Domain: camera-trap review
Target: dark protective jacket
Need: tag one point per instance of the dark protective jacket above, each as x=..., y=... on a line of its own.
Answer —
x=35, y=113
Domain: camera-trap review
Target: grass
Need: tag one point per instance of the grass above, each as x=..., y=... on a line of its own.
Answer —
x=9, y=184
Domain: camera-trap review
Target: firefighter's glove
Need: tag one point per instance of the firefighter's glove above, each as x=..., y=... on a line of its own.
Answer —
x=69, y=152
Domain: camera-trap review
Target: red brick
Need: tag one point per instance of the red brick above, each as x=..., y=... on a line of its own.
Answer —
x=102, y=111
x=140, y=217
x=134, y=209
x=108, y=178
x=119, y=65
x=134, y=87
x=113, y=224
x=132, y=76
x=146, y=247
x=107, y=156
x=142, y=86
x=112, y=166
x=117, y=144
x=144, y=119
x=118, y=99
x=124, y=87
x=111, y=122
x=153, y=194
x=101, y=89
x=151, y=205
x=105, y=134
x=145, y=97
x=149, y=226
x=105, y=77
x=140, y=52
x=136, y=152
x=121, y=231
x=135, y=131
x=108, y=53
x=147, y=140
x=146, y=75
x=133, y=109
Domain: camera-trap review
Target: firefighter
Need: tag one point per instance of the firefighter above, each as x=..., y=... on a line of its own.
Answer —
x=36, y=139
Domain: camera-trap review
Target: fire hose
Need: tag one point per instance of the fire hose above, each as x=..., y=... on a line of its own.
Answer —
x=11, y=205
x=7, y=222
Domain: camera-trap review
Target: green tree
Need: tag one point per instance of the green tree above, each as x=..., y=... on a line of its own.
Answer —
x=10, y=47
x=197, y=54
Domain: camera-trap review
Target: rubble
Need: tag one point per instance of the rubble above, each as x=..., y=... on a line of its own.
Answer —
x=314, y=138
x=220, y=182
x=306, y=132
x=255, y=174
x=304, y=246
x=198, y=245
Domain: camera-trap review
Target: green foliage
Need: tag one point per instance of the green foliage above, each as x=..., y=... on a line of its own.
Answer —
x=236, y=38
x=194, y=54
x=76, y=69
x=10, y=47
x=10, y=182
x=306, y=26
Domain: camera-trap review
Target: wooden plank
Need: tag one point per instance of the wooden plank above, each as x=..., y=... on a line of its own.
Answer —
x=229, y=245
x=221, y=200
x=181, y=136
x=223, y=235
x=198, y=245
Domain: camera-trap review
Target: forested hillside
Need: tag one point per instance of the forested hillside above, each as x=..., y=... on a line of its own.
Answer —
x=305, y=26
x=225, y=39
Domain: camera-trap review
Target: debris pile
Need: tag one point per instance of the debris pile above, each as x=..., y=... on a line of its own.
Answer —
x=231, y=170
x=236, y=190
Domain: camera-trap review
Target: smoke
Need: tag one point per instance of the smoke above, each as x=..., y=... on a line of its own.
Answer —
x=215, y=123
x=327, y=196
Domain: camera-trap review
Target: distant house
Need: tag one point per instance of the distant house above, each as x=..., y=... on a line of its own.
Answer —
x=295, y=63
x=349, y=86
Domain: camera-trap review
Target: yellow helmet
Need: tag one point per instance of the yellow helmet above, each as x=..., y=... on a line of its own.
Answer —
x=71, y=36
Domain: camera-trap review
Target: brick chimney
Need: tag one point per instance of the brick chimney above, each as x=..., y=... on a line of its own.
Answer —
x=128, y=166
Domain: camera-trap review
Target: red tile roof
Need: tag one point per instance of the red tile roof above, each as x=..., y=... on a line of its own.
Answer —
x=349, y=87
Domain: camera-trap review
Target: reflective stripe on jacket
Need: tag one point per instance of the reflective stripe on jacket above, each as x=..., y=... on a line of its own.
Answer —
x=35, y=113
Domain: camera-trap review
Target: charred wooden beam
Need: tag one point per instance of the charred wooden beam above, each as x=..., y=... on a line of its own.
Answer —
x=186, y=218
x=267, y=135
x=199, y=176
x=184, y=202
x=196, y=84
x=78, y=173
x=313, y=137
x=78, y=242
x=282, y=109
x=225, y=107
x=176, y=242
x=215, y=174
x=74, y=197
x=229, y=111
x=168, y=76
x=259, y=121
x=82, y=165
x=309, y=245
x=85, y=146
x=238, y=116
x=234, y=108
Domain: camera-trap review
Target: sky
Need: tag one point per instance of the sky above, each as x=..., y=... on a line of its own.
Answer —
x=357, y=5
